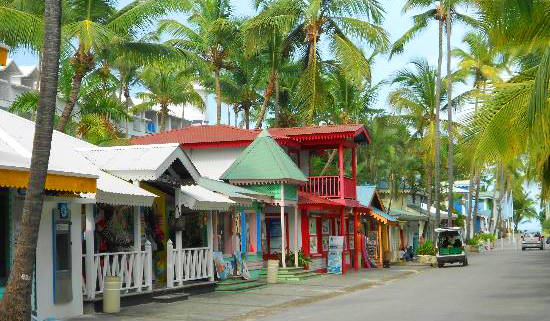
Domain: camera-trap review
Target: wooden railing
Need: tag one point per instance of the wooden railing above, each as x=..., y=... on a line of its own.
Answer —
x=134, y=268
x=188, y=264
x=329, y=186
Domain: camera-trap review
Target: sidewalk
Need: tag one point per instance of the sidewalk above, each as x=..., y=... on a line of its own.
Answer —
x=260, y=302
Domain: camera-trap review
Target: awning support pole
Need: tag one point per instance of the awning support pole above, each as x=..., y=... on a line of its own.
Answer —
x=283, y=229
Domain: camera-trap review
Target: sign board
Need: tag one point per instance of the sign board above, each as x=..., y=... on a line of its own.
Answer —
x=336, y=246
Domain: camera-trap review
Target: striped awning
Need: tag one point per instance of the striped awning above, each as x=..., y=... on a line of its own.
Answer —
x=54, y=182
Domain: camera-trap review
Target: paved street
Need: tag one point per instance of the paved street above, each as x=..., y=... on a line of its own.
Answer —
x=498, y=285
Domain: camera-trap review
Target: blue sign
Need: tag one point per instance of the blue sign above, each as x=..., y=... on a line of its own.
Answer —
x=274, y=228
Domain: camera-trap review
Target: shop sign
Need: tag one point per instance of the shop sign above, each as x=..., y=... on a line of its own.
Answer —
x=336, y=246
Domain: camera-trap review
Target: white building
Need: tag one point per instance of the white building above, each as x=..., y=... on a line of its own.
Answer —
x=15, y=80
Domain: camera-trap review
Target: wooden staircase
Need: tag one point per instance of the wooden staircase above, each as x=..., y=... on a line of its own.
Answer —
x=291, y=274
x=238, y=285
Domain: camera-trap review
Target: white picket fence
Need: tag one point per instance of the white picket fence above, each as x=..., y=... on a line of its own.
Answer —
x=135, y=269
x=188, y=264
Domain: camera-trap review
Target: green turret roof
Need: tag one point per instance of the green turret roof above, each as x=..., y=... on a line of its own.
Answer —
x=264, y=161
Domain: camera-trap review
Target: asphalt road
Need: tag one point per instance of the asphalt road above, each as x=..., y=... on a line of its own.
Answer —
x=497, y=285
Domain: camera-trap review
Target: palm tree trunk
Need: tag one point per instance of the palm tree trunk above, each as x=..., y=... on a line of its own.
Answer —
x=218, y=97
x=236, y=111
x=16, y=303
x=329, y=161
x=429, y=170
x=163, y=113
x=470, y=206
x=497, y=171
x=228, y=115
x=126, y=91
x=267, y=95
x=502, y=191
x=450, y=165
x=84, y=62
x=478, y=185
x=277, y=110
x=246, y=112
x=437, y=143
x=183, y=116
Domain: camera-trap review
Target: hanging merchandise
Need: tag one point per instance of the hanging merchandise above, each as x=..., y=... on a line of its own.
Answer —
x=116, y=232
x=179, y=223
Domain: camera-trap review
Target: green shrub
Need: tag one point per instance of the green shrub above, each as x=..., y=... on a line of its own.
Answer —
x=426, y=249
x=473, y=241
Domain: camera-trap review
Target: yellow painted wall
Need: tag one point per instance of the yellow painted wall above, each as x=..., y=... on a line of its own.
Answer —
x=159, y=205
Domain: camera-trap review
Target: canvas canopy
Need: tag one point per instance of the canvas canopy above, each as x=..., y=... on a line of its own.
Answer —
x=199, y=198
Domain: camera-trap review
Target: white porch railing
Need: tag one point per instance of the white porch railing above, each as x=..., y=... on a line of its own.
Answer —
x=135, y=269
x=188, y=264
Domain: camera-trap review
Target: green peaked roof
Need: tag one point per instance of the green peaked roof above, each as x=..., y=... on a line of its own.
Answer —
x=264, y=160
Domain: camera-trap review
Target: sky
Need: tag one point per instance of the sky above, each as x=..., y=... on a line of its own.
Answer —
x=424, y=45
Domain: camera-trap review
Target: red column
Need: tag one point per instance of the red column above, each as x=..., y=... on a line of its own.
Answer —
x=343, y=233
x=354, y=170
x=357, y=240
x=305, y=232
x=341, y=170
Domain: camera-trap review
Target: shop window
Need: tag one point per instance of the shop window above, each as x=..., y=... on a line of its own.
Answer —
x=326, y=233
x=313, y=248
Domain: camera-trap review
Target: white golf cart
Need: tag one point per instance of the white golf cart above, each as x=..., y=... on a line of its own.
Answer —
x=450, y=246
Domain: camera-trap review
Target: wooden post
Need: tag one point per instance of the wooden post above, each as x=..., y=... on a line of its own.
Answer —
x=170, y=264
x=356, y=240
x=343, y=233
x=380, y=245
x=179, y=237
x=354, y=170
x=258, y=234
x=295, y=235
x=305, y=233
x=283, y=229
x=210, y=236
x=341, y=171
x=90, y=267
x=148, y=266
x=137, y=243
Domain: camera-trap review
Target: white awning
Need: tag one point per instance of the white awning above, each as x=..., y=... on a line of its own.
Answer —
x=200, y=199
x=115, y=191
x=141, y=162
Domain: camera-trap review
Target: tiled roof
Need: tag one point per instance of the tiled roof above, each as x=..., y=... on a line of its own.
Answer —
x=225, y=135
x=309, y=199
x=199, y=134
x=264, y=160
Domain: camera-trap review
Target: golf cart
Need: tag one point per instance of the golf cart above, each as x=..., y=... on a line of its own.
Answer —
x=450, y=246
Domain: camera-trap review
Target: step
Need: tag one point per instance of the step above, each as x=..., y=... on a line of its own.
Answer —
x=169, y=298
x=220, y=286
x=232, y=281
x=243, y=287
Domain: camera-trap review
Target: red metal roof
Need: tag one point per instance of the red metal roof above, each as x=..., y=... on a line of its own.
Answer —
x=205, y=136
x=305, y=199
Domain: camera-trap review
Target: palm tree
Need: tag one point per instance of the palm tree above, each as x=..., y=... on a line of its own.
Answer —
x=22, y=24
x=339, y=24
x=481, y=61
x=16, y=303
x=167, y=84
x=208, y=41
x=417, y=98
x=96, y=26
x=524, y=207
x=241, y=84
x=435, y=11
x=264, y=35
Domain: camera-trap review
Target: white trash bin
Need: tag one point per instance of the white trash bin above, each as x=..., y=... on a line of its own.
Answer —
x=111, y=294
x=272, y=271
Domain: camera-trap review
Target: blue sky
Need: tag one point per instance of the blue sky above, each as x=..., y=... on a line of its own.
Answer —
x=396, y=23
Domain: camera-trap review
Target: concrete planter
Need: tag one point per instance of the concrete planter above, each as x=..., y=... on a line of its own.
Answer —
x=473, y=248
x=427, y=259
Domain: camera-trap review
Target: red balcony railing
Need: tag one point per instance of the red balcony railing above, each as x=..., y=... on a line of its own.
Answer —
x=329, y=186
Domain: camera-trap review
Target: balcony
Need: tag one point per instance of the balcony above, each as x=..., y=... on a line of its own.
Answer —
x=329, y=187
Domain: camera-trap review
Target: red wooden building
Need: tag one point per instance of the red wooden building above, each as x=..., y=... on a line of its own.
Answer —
x=328, y=203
